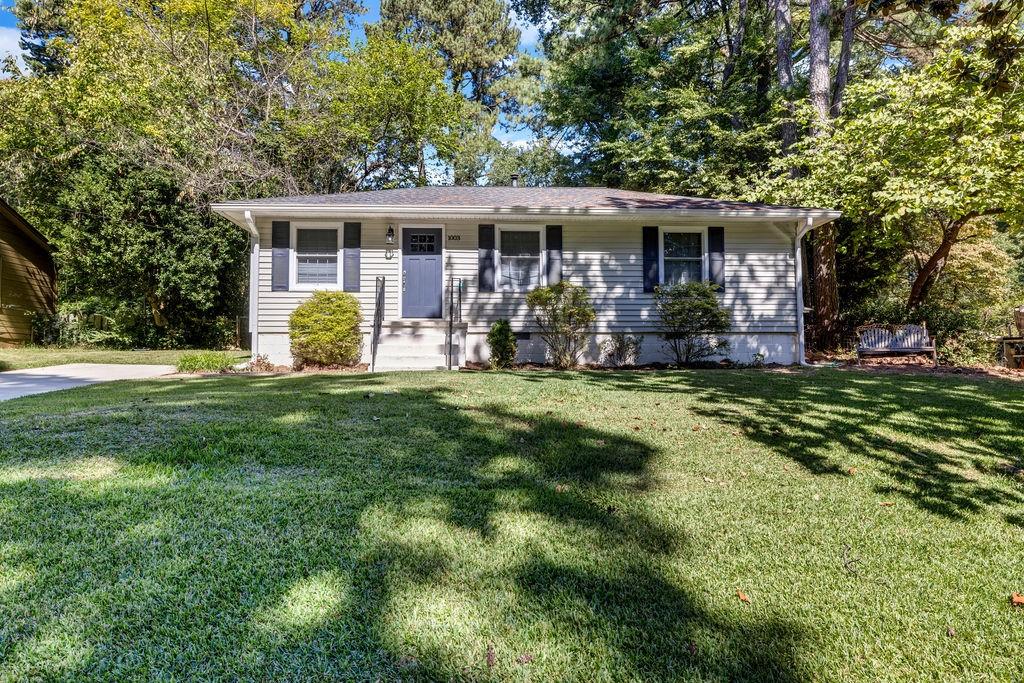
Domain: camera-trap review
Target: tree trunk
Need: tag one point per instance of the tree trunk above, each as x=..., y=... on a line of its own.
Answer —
x=159, y=319
x=734, y=39
x=826, y=288
x=843, y=69
x=929, y=272
x=819, y=76
x=784, y=61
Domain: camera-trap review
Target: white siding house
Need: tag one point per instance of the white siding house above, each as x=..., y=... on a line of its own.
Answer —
x=453, y=260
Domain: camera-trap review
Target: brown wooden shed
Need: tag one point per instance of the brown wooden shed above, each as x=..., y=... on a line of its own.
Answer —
x=28, y=281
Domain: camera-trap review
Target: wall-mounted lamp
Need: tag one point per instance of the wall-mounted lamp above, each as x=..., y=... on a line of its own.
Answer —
x=389, y=236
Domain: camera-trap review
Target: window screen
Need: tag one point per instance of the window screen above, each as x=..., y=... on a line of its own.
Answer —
x=317, y=254
x=520, y=257
x=684, y=257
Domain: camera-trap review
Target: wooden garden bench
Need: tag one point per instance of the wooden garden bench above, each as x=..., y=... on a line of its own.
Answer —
x=902, y=340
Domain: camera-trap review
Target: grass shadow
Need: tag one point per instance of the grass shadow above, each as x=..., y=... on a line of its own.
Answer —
x=346, y=526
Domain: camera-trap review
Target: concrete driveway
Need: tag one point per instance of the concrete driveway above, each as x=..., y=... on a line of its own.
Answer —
x=17, y=383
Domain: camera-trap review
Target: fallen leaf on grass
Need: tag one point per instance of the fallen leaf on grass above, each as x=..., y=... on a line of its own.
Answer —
x=743, y=597
x=950, y=631
x=1017, y=600
x=561, y=488
x=524, y=658
x=852, y=471
x=886, y=503
x=600, y=442
x=492, y=658
x=697, y=427
x=709, y=480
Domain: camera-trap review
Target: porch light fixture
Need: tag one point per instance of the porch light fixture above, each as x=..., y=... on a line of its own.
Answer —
x=389, y=236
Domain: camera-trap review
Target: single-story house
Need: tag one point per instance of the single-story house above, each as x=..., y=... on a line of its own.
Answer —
x=28, y=280
x=434, y=267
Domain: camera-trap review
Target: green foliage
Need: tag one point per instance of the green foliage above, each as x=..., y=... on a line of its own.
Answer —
x=502, y=342
x=690, y=316
x=563, y=314
x=145, y=112
x=962, y=334
x=477, y=41
x=621, y=349
x=206, y=361
x=324, y=330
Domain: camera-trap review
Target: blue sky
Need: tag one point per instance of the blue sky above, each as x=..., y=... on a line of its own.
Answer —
x=9, y=44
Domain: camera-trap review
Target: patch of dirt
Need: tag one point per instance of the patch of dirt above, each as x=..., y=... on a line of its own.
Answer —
x=909, y=365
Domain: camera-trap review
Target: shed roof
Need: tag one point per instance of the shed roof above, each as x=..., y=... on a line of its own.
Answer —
x=19, y=222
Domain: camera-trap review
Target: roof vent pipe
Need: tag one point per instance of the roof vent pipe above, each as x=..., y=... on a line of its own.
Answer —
x=515, y=180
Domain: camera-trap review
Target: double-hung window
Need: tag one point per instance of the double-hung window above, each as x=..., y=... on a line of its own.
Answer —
x=316, y=257
x=683, y=256
x=519, y=253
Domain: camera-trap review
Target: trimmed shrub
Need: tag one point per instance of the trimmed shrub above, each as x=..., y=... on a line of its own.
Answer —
x=502, y=341
x=324, y=330
x=621, y=349
x=563, y=314
x=206, y=361
x=691, y=319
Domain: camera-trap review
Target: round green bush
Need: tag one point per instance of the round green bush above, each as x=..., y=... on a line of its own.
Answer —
x=502, y=341
x=325, y=330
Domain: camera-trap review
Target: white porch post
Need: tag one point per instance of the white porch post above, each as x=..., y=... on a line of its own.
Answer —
x=254, y=284
x=798, y=257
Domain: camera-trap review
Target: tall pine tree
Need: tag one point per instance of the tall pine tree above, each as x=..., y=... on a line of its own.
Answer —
x=477, y=40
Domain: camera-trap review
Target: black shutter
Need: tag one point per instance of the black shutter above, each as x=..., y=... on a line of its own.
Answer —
x=553, y=244
x=485, y=254
x=280, y=242
x=350, y=256
x=716, y=256
x=650, y=251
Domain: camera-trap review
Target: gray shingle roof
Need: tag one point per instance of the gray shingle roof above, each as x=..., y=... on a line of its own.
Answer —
x=511, y=198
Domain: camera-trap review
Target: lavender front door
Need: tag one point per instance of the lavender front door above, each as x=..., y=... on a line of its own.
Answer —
x=421, y=273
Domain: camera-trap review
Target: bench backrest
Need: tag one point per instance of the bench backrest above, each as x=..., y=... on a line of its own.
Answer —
x=904, y=337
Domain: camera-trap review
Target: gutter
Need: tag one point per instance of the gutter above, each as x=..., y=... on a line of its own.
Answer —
x=235, y=212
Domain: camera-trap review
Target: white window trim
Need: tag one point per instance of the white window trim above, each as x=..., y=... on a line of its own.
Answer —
x=500, y=284
x=293, y=260
x=705, y=265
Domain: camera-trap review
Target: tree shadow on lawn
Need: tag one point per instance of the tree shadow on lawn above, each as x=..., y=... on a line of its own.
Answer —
x=298, y=528
x=952, y=448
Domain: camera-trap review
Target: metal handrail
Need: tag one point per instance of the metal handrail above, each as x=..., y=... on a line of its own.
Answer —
x=454, y=314
x=378, y=319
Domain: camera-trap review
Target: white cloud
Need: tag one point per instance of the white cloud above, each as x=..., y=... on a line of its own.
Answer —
x=9, y=44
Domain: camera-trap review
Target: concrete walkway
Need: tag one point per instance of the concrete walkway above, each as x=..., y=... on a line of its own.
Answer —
x=17, y=383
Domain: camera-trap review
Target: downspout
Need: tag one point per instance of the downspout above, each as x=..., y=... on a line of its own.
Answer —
x=254, y=284
x=798, y=261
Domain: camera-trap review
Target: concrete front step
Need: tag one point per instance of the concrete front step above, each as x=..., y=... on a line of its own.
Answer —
x=418, y=345
x=408, y=347
x=424, y=362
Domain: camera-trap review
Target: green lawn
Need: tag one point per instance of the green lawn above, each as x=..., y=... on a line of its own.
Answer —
x=579, y=527
x=37, y=357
